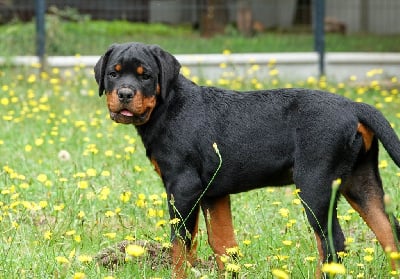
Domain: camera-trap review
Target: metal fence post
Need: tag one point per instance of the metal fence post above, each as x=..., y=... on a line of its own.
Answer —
x=40, y=9
x=319, y=33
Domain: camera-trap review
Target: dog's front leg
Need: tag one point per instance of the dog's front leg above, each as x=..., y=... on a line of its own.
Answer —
x=184, y=226
x=183, y=251
x=217, y=213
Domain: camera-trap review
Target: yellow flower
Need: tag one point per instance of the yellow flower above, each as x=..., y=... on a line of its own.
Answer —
x=383, y=164
x=108, y=153
x=135, y=250
x=349, y=240
x=232, y=251
x=129, y=237
x=129, y=149
x=59, y=207
x=369, y=250
x=342, y=254
x=80, y=175
x=151, y=212
x=368, y=258
x=43, y=204
x=137, y=168
x=31, y=78
x=71, y=232
x=110, y=235
x=246, y=242
x=47, y=235
x=395, y=255
x=287, y=242
x=71, y=254
x=280, y=274
x=91, y=172
x=224, y=258
x=84, y=258
x=42, y=178
x=81, y=214
x=333, y=268
x=161, y=223
x=274, y=72
x=296, y=201
x=39, y=141
x=105, y=191
x=140, y=203
x=125, y=196
x=231, y=267
x=109, y=213
x=79, y=275
x=284, y=212
x=83, y=184
x=61, y=259
x=174, y=221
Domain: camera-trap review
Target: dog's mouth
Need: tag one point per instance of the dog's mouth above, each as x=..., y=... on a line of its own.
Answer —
x=134, y=111
x=125, y=116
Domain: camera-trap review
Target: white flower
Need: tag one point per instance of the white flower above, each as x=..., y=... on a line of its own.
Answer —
x=64, y=155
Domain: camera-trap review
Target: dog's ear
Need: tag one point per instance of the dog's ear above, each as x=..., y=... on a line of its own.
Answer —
x=169, y=69
x=100, y=68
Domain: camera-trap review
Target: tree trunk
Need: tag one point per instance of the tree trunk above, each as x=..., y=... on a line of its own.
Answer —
x=214, y=16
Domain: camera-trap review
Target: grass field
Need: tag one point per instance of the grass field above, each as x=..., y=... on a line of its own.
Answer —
x=74, y=183
x=92, y=37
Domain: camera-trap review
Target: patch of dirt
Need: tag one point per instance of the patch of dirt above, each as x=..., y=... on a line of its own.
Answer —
x=157, y=256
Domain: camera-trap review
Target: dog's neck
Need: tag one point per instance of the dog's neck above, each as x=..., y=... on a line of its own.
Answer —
x=168, y=110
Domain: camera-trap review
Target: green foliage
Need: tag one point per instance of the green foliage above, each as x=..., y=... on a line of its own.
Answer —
x=72, y=183
x=69, y=33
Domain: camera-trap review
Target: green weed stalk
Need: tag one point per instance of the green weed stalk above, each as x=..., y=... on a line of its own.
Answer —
x=332, y=202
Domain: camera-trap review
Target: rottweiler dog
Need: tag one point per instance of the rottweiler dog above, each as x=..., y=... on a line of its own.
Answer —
x=276, y=137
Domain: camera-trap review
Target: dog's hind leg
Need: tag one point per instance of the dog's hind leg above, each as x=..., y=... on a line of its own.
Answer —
x=363, y=190
x=315, y=195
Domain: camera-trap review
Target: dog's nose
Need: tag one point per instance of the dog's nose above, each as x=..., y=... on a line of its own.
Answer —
x=125, y=95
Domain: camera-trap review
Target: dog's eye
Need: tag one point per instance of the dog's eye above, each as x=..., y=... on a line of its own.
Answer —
x=146, y=76
x=112, y=74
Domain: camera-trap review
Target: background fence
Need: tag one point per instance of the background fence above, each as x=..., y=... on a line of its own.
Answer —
x=377, y=16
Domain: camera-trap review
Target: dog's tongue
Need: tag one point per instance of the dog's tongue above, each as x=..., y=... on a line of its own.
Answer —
x=126, y=112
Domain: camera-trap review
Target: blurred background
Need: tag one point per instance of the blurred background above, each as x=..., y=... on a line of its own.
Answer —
x=73, y=27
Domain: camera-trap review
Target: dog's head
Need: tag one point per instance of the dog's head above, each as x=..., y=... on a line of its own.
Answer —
x=135, y=77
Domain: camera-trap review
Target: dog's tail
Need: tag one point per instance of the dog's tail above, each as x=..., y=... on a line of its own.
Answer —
x=374, y=119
